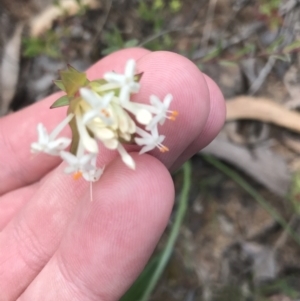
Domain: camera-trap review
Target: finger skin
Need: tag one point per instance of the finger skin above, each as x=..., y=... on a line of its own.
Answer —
x=118, y=230
x=214, y=123
x=13, y=202
x=30, y=240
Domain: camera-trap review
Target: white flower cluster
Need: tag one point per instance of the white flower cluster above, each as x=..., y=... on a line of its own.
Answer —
x=103, y=112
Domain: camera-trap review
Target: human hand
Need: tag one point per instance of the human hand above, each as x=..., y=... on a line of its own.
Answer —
x=57, y=245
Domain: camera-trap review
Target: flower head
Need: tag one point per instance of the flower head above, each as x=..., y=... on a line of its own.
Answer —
x=101, y=112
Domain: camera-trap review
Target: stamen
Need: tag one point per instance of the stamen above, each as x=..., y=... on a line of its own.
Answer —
x=175, y=113
x=91, y=191
x=77, y=175
x=163, y=149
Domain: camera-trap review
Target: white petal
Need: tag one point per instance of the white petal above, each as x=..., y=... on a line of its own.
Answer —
x=89, y=143
x=90, y=97
x=134, y=87
x=106, y=99
x=114, y=77
x=130, y=68
x=36, y=147
x=155, y=120
x=143, y=133
x=59, y=144
x=147, y=148
x=69, y=158
x=70, y=169
x=124, y=95
x=104, y=134
x=126, y=158
x=42, y=133
x=84, y=160
x=167, y=100
x=88, y=116
x=131, y=126
x=125, y=136
x=93, y=175
x=142, y=141
x=155, y=101
x=111, y=144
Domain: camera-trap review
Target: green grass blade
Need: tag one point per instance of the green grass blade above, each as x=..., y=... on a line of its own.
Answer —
x=248, y=188
x=166, y=254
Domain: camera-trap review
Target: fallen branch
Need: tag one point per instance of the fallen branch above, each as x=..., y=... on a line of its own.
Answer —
x=262, y=109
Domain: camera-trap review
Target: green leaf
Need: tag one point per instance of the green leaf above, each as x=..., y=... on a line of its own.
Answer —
x=292, y=47
x=136, y=291
x=227, y=63
x=58, y=83
x=61, y=102
x=138, y=76
x=97, y=83
x=73, y=80
x=131, y=43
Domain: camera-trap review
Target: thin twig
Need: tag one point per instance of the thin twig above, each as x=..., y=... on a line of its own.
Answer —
x=262, y=75
x=103, y=23
x=208, y=24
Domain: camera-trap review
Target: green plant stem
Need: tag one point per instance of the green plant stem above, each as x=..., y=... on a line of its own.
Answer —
x=174, y=232
x=248, y=188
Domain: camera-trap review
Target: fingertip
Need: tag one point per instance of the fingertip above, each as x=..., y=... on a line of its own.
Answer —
x=217, y=115
x=214, y=123
x=167, y=72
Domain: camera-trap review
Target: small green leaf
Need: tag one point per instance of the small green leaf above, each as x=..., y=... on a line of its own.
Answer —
x=61, y=102
x=227, y=63
x=138, y=76
x=73, y=80
x=58, y=83
x=131, y=43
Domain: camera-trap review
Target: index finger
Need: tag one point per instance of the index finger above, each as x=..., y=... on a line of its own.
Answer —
x=164, y=73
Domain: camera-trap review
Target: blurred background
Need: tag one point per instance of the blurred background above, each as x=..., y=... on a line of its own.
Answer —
x=234, y=234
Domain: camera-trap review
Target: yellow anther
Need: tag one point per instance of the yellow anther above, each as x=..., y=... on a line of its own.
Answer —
x=77, y=175
x=173, y=118
x=175, y=113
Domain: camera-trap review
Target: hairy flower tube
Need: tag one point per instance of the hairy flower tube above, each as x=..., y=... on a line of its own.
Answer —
x=102, y=112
